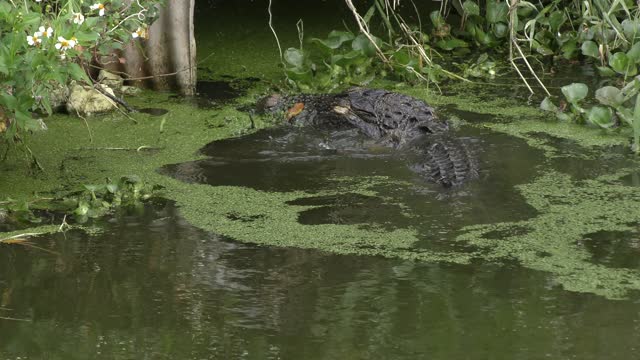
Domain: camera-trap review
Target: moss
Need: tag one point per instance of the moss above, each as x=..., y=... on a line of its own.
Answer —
x=568, y=211
x=273, y=222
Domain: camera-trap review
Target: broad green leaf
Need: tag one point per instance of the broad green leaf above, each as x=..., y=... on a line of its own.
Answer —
x=351, y=58
x=404, y=58
x=541, y=49
x=556, y=19
x=87, y=37
x=31, y=19
x=294, y=57
x=569, y=49
x=471, y=8
x=631, y=28
x=622, y=64
x=298, y=74
x=564, y=116
x=548, y=105
x=341, y=35
x=497, y=11
x=601, y=116
x=484, y=38
x=5, y=8
x=78, y=73
x=590, y=48
x=634, y=53
x=501, y=30
x=606, y=71
x=610, y=96
x=436, y=19
x=335, y=39
x=575, y=92
x=451, y=44
x=363, y=44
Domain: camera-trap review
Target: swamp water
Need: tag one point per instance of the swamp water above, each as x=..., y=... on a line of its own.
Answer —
x=327, y=250
x=149, y=285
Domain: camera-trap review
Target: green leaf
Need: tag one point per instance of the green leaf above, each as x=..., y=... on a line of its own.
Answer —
x=87, y=37
x=575, y=92
x=363, y=44
x=590, y=48
x=471, y=8
x=112, y=188
x=78, y=73
x=548, y=105
x=436, y=19
x=497, y=11
x=334, y=40
x=634, y=53
x=31, y=19
x=556, y=19
x=569, y=49
x=541, y=49
x=601, y=116
x=451, y=44
x=564, y=117
x=484, y=38
x=351, y=58
x=610, y=96
x=299, y=75
x=294, y=57
x=622, y=64
x=606, y=71
x=501, y=30
x=343, y=36
x=631, y=28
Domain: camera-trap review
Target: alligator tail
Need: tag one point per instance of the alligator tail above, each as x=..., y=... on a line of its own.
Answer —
x=442, y=159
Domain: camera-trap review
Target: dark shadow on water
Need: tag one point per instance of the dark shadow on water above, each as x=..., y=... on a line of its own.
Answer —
x=617, y=249
x=289, y=159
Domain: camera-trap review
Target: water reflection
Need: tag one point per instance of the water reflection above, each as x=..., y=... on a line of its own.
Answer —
x=152, y=287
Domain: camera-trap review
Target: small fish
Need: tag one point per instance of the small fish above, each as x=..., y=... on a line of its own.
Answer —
x=295, y=110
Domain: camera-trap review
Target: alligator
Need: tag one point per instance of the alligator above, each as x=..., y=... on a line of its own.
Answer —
x=392, y=119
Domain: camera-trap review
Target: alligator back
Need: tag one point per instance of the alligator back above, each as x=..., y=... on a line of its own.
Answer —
x=392, y=114
x=441, y=159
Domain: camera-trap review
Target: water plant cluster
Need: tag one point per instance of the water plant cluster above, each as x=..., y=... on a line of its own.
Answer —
x=92, y=201
x=46, y=44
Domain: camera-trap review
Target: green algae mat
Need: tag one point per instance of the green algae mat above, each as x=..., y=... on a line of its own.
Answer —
x=545, y=188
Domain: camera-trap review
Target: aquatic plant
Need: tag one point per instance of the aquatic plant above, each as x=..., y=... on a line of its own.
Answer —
x=341, y=58
x=91, y=201
x=617, y=106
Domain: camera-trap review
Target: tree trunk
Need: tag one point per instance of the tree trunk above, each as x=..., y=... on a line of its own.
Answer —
x=167, y=59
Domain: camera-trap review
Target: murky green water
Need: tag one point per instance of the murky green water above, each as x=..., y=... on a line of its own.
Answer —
x=153, y=287
x=536, y=259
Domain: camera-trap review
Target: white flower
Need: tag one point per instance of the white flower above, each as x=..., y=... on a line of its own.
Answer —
x=98, y=6
x=64, y=44
x=34, y=40
x=45, y=32
x=140, y=33
x=38, y=0
x=78, y=18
